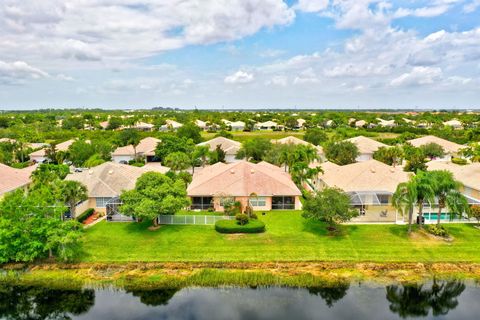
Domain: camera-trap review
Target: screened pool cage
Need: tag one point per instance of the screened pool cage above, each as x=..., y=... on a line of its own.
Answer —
x=375, y=198
x=113, y=212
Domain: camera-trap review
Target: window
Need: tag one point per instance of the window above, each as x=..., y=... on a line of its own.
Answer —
x=202, y=203
x=258, y=201
x=101, y=202
x=283, y=203
x=383, y=198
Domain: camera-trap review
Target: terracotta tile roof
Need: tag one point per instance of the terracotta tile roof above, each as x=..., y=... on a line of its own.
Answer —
x=370, y=175
x=468, y=175
x=146, y=147
x=448, y=146
x=241, y=179
x=12, y=178
x=110, y=179
x=366, y=145
x=230, y=147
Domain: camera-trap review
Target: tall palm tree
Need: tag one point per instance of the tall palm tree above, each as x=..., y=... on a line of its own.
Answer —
x=424, y=184
x=404, y=199
x=72, y=193
x=446, y=189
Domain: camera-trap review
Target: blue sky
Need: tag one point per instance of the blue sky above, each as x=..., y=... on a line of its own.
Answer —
x=240, y=54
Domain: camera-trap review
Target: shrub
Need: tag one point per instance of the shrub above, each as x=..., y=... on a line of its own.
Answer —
x=459, y=161
x=242, y=219
x=84, y=216
x=137, y=164
x=438, y=231
x=253, y=215
x=231, y=226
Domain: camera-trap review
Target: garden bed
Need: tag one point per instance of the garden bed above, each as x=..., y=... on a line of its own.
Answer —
x=232, y=226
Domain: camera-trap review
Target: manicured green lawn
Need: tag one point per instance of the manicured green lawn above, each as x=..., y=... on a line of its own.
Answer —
x=289, y=237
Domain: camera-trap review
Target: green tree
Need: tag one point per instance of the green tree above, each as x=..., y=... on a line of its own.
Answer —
x=432, y=150
x=93, y=161
x=73, y=192
x=424, y=184
x=330, y=205
x=79, y=152
x=154, y=194
x=389, y=155
x=171, y=143
x=405, y=199
x=53, y=155
x=341, y=152
x=201, y=153
x=475, y=213
x=47, y=173
x=415, y=159
x=178, y=161
x=315, y=136
x=302, y=172
x=114, y=123
x=130, y=137
x=190, y=131
x=254, y=149
x=217, y=155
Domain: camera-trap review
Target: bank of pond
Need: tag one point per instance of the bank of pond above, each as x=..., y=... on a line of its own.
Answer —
x=455, y=299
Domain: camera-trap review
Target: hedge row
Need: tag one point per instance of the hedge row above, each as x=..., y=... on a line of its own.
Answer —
x=84, y=216
x=231, y=226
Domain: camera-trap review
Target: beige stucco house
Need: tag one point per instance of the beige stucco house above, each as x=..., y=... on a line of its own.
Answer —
x=266, y=186
x=366, y=147
x=40, y=156
x=146, y=149
x=230, y=147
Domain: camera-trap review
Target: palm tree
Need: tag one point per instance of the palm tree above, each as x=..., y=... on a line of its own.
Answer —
x=404, y=199
x=72, y=193
x=424, y=184
x=446, y=189
x=178, y=161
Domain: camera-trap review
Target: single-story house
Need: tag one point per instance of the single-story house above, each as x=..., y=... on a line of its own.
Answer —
x=143, y=126
x=104, y=124
x=39, y=156
x=296, y=141
x=170, y=125
x=366, y=147
x=146, y=148
x=267, y=125
x=230, y=147
x=13, y=179
x=265, y=186
x=468, y=175
x=454, y=123
x=201, y=124
x=360, y=123
x=370, y=185
x=386, y=123
x=301, y=123
x=451, y=148
x=235, y=125
x=105, y=183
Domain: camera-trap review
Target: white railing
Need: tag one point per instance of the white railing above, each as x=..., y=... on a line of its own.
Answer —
x=192, y=219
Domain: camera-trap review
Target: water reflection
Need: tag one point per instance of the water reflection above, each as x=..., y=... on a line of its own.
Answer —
x=343, y=301
x=417, y=300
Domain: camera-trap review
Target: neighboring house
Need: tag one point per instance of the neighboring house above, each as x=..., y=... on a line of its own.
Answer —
x=455, y=124
x=230, y=147
x=266, y=186
x=386, y=123
x=408, y=121
x=267, y=125
x=201, y=124
x=370, y=185
x=235, y=125
x=104, y=124
x=8, y=140
x=366, y=147
x=329, y=123
x=296, y=141
x=143, y=126
x=105, y=183
x=360, y=123
x=146, y=148
x=39, y=156
x=468, y=175
x=451, y=148
x=301, y=123
x=13, y=179
x=170, y=125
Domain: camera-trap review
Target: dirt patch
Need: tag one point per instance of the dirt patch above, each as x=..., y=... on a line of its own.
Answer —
x=234, y=236
x=154, y=228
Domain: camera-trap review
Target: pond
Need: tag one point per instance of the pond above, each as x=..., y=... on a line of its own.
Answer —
x=433, y=300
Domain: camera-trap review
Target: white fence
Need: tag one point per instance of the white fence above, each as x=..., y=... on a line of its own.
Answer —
x=191, y=219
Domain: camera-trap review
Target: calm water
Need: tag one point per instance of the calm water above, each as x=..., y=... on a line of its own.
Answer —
x=443, y=300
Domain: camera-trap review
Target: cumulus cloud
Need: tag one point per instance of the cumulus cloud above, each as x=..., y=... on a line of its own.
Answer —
x=311, y=5
x=18, y=71
x=306, y=76
x=417, y=76
x=281, y=81
x=239, y=77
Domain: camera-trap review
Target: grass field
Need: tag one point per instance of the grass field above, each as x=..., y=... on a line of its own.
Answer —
x=288, y=238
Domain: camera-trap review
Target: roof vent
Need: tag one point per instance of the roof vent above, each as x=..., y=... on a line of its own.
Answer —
x=90, y=171
x=232, y=171
x=252, y=171
x=392, y=170
x=372, y=170
x=110, y=171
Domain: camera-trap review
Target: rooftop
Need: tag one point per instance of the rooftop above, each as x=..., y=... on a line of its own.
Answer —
x=468, y=175
x=366, y=145
x=230, y=147
x=14, y=178
x=146, y=147
x=448, y=146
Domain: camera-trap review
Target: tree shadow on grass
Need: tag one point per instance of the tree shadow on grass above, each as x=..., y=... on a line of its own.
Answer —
x=400, y=231
x=321, y=229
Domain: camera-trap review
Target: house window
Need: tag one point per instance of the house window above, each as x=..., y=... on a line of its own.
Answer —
x=283, y=203
x=101, y=202
x=202, y=203
x=258, y=202
x=383, y=198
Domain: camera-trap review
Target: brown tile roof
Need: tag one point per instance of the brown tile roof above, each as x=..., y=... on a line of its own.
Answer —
x=366, y=145
x=370, y=175
x=110, y=179
x=230, y=147
x=12, y=178
x=448, y=146
x=242, y=179
x=146, y=147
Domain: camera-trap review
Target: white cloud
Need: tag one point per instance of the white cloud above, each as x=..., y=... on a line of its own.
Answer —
x=281, y=81
x=239, y=77
x=64, y=77
x=472, y=6
x=311, y=5
x=306, y=76
x=18, y=71
x=417, y=76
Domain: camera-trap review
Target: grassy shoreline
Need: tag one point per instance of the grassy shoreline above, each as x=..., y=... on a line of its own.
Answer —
x=179, y=275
